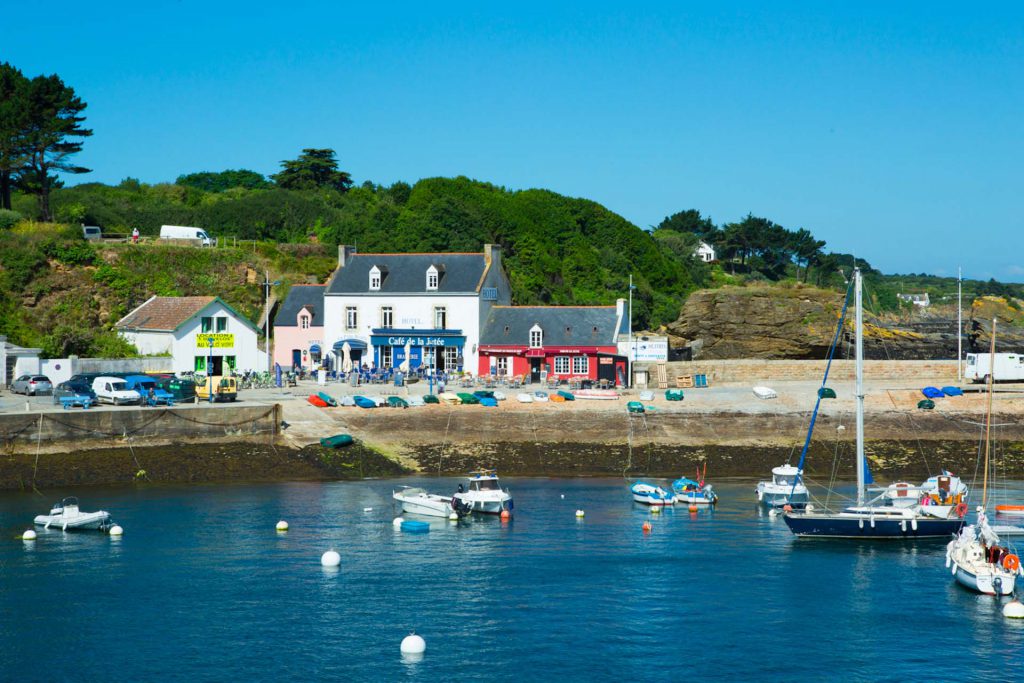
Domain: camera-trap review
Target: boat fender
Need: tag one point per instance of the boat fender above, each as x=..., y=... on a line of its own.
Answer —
x=961, y=509
x=949, y=560
x=872, y=521
x=860, y=523
x=913, y=524
x=903, y=526
x=1011, y=562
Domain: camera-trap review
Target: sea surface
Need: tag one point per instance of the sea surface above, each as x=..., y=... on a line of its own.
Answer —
x=202, y=588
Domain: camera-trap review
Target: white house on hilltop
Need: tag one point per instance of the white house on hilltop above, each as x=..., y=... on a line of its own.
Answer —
x=705, y=252
x=185, y=326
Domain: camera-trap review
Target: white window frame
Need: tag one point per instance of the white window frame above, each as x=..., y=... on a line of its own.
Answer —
x=440, y=317
x=536, y=337
x=304, y=321
x=432, y=279
x=375, y=279
x=451, y=357
x=351, y=317
x=502, y=365
x=581, y=365
x=562, y=365
x=385, y=356
x=387, y=316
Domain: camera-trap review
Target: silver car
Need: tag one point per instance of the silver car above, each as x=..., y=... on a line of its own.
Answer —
x=30, y=385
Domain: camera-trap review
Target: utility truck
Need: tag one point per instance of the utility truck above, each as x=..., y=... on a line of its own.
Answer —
x=185, y=232
x=1008, y=367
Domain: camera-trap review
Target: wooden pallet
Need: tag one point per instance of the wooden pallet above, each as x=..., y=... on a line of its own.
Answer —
x=662, y=376
x=684, y=381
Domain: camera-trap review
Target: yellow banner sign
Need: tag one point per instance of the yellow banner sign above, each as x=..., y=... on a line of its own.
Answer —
x=220, y=341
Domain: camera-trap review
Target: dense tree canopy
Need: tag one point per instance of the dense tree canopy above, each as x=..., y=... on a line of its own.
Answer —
x=314, y=169
x=224, y=180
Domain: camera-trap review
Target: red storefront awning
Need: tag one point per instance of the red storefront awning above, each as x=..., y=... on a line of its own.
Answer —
x=503, y=350
x=535, y=353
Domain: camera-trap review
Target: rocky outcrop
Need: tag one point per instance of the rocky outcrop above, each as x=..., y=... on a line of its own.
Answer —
x=797, y=322
x=758, y=322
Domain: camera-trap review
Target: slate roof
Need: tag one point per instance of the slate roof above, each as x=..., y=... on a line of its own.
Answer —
x=168, y=313
x=562, y=325
x=407, y=273
x=298, y=297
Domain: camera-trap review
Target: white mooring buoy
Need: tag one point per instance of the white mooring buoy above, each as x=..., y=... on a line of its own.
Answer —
x=1013, y=609
x=453, y=517
x=330, y=559
x=580, y=513
x=396, y=522
x=282, y=525
x=29, y=535
x=116, y=530
x=413, y=644
x=367, y=509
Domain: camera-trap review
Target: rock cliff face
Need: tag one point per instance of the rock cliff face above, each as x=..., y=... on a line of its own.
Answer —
x=798, y=323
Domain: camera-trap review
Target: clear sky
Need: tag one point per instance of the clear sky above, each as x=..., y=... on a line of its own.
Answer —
x=892, y=130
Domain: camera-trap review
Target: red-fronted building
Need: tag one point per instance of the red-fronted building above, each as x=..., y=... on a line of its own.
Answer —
x=554, y=342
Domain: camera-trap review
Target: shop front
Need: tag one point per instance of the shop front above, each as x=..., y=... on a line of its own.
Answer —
x=560, y=363
x=440, y=349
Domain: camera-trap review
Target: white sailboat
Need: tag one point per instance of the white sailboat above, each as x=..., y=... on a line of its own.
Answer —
x=975, y=558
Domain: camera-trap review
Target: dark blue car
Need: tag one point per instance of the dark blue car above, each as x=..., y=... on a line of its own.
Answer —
x=152, y=394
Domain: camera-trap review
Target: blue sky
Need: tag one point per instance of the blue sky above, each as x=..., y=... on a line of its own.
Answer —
x=891, y=130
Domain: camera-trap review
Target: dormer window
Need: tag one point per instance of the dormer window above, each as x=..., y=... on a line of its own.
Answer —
x=375, y=279
x=536, y=337
x=432, y=278
x=304, y=322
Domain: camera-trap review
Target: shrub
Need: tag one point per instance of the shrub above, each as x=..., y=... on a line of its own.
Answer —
x=8, y=219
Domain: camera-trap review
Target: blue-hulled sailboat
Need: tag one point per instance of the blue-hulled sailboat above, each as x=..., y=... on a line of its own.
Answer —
x=873, y=519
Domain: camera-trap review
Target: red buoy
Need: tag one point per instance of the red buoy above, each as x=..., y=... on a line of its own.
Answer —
x=505, y=515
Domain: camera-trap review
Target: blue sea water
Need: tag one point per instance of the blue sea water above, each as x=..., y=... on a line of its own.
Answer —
x=202, y=588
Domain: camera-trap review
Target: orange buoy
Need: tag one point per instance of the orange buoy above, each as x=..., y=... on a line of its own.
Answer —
x=505, y=515
x=647, y=527
x=692, y=508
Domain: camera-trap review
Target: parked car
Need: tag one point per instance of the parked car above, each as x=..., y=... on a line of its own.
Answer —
x=30, y=385
x=114, y=390
x=224, y=389
x=92, y=232
x=180, y=388
x=73, y=389
x=144, y=384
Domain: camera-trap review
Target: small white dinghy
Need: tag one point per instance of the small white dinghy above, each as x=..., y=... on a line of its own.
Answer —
x=524, y=398
x=66, y=516
x=765, y=392
x=419, y=502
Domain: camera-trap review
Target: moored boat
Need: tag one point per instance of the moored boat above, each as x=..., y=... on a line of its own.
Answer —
x=649, y=494
x=336, y=441
x=1010, y=510
x=784, y=488
x=484, y=494
x=67, y=516
x=418, y=501
x=597, y=394
x=693, y=492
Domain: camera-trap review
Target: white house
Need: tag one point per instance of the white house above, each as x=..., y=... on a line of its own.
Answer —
x=431, y=304
x=705, y=252
x=200, y=333
x=919, y=300
x=16, y=361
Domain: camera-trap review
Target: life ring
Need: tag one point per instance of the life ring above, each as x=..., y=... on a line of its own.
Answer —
x=1011, y=562
x=961, y=509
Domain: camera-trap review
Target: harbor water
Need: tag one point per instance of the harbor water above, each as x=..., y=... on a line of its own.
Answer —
x=201, y=587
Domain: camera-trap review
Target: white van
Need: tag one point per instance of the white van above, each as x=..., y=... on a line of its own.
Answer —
x=92, y=232
x=114, y=390
x=184, y=232
x=1009, y=367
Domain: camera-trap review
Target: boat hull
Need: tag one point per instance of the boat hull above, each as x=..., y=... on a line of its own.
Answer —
x=982, y=582
x=650, y=500
x=774, y=496
x=807, y=525
x=88, y=521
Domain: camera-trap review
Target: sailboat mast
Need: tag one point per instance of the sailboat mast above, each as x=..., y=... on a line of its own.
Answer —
x=859, y=343
x=988, y=413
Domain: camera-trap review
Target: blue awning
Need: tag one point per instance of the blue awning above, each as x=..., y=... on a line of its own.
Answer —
x=354, y=344
x=315, y=348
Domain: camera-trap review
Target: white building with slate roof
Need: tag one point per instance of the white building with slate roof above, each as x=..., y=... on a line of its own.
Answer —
x=431, y=304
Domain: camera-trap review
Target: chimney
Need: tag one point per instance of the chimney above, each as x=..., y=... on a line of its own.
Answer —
x=345, y=252
x=492, y=254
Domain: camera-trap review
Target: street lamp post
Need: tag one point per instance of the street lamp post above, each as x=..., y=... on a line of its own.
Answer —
x=632, y=351
x=267, y=284
x=209, y=366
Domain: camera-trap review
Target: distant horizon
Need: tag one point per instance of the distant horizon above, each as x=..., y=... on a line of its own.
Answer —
x=889, y=131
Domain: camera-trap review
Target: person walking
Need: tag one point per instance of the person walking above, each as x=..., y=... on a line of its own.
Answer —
x=135, y=235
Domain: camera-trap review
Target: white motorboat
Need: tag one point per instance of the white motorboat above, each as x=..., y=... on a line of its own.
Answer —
x=484, y=494
x=417, y=501
x=785, y=488
x=979, y=563
x=649, y=494
x=976, y=558
x=943, y=489
x=66, y=516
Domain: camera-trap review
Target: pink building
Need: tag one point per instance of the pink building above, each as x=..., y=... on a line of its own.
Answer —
x=299, y=328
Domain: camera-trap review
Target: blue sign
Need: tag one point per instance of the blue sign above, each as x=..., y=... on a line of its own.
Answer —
x=426, y=340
